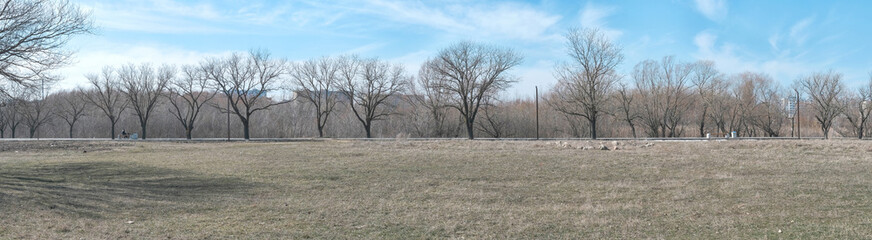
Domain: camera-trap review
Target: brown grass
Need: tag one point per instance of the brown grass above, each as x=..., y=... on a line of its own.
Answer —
x=442, y=189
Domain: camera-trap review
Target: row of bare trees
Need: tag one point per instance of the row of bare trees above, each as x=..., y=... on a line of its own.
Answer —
x=467, y=77
x=746, y=103
x=666, y=96
x=455, y=93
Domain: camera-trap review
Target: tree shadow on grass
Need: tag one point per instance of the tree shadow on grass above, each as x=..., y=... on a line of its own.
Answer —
x=93, y=189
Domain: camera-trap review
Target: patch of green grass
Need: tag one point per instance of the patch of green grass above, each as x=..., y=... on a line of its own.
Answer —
x=440, y=189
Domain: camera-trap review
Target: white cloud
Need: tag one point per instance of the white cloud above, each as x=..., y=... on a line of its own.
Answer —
x=366, y=48
x=731, y=60
x=92, y=60
x=798, y=31
x=160, y=17
x=773, y=41
x=412, y=61
x=511, y=20
x=715, y=10
x=593, y=16
x=724, y=56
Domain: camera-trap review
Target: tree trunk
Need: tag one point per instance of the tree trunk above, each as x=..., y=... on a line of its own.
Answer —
x=368, y=128
x=469, y=129
x=32, y=131
x=71, y=130
x=826, y=132
x=12, y=130
x=702, y=122
x=320, y=127
x=113, y=131
x=245, y=130
x=188, y=131
x=592, y=124
x=144, y=129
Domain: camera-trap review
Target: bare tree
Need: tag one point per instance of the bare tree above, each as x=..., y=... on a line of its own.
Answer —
x=585, y=82
x=12, y=104
x=627, y=107
x=761, y=105
x=664, y=95
x=427, y=94
x=704, y=78
x=824, y=90
x=144, y=86
x=4, y=116
x=492, y=123
x=472, y=72
x=858, y=107
x=371, y=86
x=187, y=95
x=316, y=80
x=107, y=96
x=34, y=112
x=245, y=80
x=34, y=33
x=70, y=107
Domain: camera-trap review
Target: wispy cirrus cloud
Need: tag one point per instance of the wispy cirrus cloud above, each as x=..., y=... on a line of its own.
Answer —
x=100, y=53
x=799, y=32
x=715, y=10
x=594, y=16
x=731, y=58
x=500, y=19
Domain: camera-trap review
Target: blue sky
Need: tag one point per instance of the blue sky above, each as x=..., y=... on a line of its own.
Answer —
x=785, y=39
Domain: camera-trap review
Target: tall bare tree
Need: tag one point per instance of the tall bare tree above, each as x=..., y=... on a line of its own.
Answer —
x=824, y=90
x=34, y=112
x=627, y=107
x=107, y=96
x=586, y=82
x=664, y=94
x=316, y=82
x=759, y=101
x=34, y=33
x=371, y=86
x=245, y=80
x=427, y=94
x=187, y=94
x=858, y=107
x=70, y=107
x=704, y=78
x=4, y=117
x=143, y=86
x=12, y=103
x=472, y=72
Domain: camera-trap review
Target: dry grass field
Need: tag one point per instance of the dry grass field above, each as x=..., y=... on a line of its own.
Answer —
x=439, y=189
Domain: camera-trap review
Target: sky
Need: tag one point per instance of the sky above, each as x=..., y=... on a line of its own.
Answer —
x=785, y=39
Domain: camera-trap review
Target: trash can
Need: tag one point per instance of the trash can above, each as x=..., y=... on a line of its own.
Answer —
x=733, y=134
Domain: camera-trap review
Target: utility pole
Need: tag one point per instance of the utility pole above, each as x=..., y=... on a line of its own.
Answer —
x=798, y=126
x=228, y=118
x=537, y=112
x=42, y=90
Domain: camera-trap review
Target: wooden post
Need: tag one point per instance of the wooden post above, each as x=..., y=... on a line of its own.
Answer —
x=537, y=112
